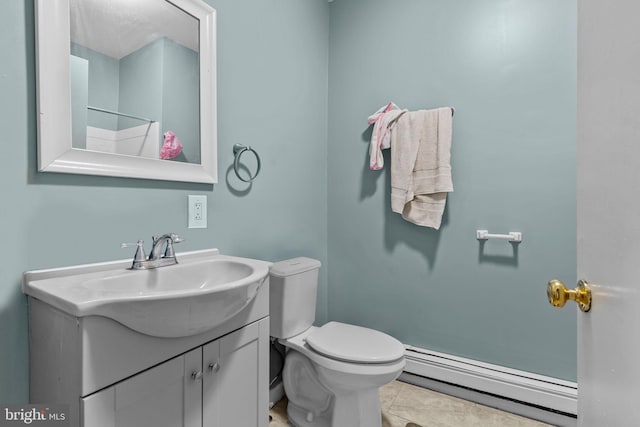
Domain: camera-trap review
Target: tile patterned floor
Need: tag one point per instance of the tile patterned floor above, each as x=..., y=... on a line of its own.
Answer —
x=406, y=405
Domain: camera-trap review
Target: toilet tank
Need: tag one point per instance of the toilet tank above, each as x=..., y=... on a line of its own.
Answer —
x=293, y=284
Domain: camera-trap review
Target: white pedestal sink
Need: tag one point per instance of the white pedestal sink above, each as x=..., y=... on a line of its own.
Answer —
x=200, y=293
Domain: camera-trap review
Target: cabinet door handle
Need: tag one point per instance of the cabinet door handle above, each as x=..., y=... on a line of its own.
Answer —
x=196, y=375
x=215, y=367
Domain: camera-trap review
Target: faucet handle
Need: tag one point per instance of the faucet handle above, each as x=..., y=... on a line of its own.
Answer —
x=139, y=256
x=169, y=252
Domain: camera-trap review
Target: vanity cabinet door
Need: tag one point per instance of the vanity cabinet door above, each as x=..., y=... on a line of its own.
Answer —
x=221, y=384
x=235, y=387
x=168, y=395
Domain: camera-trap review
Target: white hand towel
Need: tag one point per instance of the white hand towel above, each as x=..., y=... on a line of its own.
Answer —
x=421, y=165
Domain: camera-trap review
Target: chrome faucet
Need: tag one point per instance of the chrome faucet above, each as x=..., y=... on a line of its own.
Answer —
x=157, y=258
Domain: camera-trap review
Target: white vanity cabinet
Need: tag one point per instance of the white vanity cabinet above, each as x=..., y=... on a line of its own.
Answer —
x=217, y=385
x=113, y=376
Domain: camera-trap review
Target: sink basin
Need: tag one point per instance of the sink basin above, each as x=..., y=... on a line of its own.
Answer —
x=201, y=292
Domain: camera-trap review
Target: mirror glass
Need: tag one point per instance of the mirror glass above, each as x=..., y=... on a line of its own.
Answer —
x=127, y=88
x=134, y=72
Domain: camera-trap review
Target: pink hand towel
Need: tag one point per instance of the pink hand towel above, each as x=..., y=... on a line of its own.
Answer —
x=383, y=121
x=171, y=147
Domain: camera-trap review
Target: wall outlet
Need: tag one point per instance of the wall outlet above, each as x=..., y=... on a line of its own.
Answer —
x=197, y=211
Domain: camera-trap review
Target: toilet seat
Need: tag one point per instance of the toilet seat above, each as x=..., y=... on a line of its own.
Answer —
x=355, y=344
x=299, y=344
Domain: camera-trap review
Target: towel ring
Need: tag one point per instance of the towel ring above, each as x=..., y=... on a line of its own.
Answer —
x=238, y=150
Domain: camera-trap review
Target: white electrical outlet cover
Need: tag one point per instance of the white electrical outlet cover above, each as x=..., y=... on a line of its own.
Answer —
x=197, y=211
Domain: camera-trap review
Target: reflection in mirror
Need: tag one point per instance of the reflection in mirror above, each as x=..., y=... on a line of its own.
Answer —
x=134, y=70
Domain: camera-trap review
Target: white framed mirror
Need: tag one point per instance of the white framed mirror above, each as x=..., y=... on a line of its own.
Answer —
x=127, y=89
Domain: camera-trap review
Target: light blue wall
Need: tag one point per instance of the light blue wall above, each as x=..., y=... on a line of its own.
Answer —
x=272, y=94
x=509, y=69
x=180, y=98
x=106, y=70
x=79, y=71
x=141, y=83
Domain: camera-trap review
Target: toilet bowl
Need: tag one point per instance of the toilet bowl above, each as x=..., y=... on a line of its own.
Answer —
x=331, y=373
x=336, y=390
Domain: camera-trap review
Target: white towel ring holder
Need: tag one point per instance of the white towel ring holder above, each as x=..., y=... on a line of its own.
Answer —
x=238, y=150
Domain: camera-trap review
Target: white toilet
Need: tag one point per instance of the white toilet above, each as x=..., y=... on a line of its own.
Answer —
x=332, y=373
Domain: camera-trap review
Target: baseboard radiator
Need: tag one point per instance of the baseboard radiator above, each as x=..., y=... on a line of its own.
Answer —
x=524, y=387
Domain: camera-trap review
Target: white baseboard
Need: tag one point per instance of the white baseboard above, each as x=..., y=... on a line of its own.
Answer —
x=537, y=390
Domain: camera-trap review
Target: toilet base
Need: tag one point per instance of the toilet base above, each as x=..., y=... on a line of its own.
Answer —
x=354, y=410
x=298, y=418
x=313, y=404
x=360, y=409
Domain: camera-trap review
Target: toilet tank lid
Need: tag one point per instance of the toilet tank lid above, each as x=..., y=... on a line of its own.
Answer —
x=353, y=343
x=289, y=267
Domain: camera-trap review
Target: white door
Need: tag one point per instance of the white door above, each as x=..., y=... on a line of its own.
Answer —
x=609, y=211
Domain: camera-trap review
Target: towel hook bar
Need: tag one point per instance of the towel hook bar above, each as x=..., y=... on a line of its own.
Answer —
x=238, y=150
x=513, y=236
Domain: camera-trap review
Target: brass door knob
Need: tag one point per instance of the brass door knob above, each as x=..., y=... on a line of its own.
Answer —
x=558, y=294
